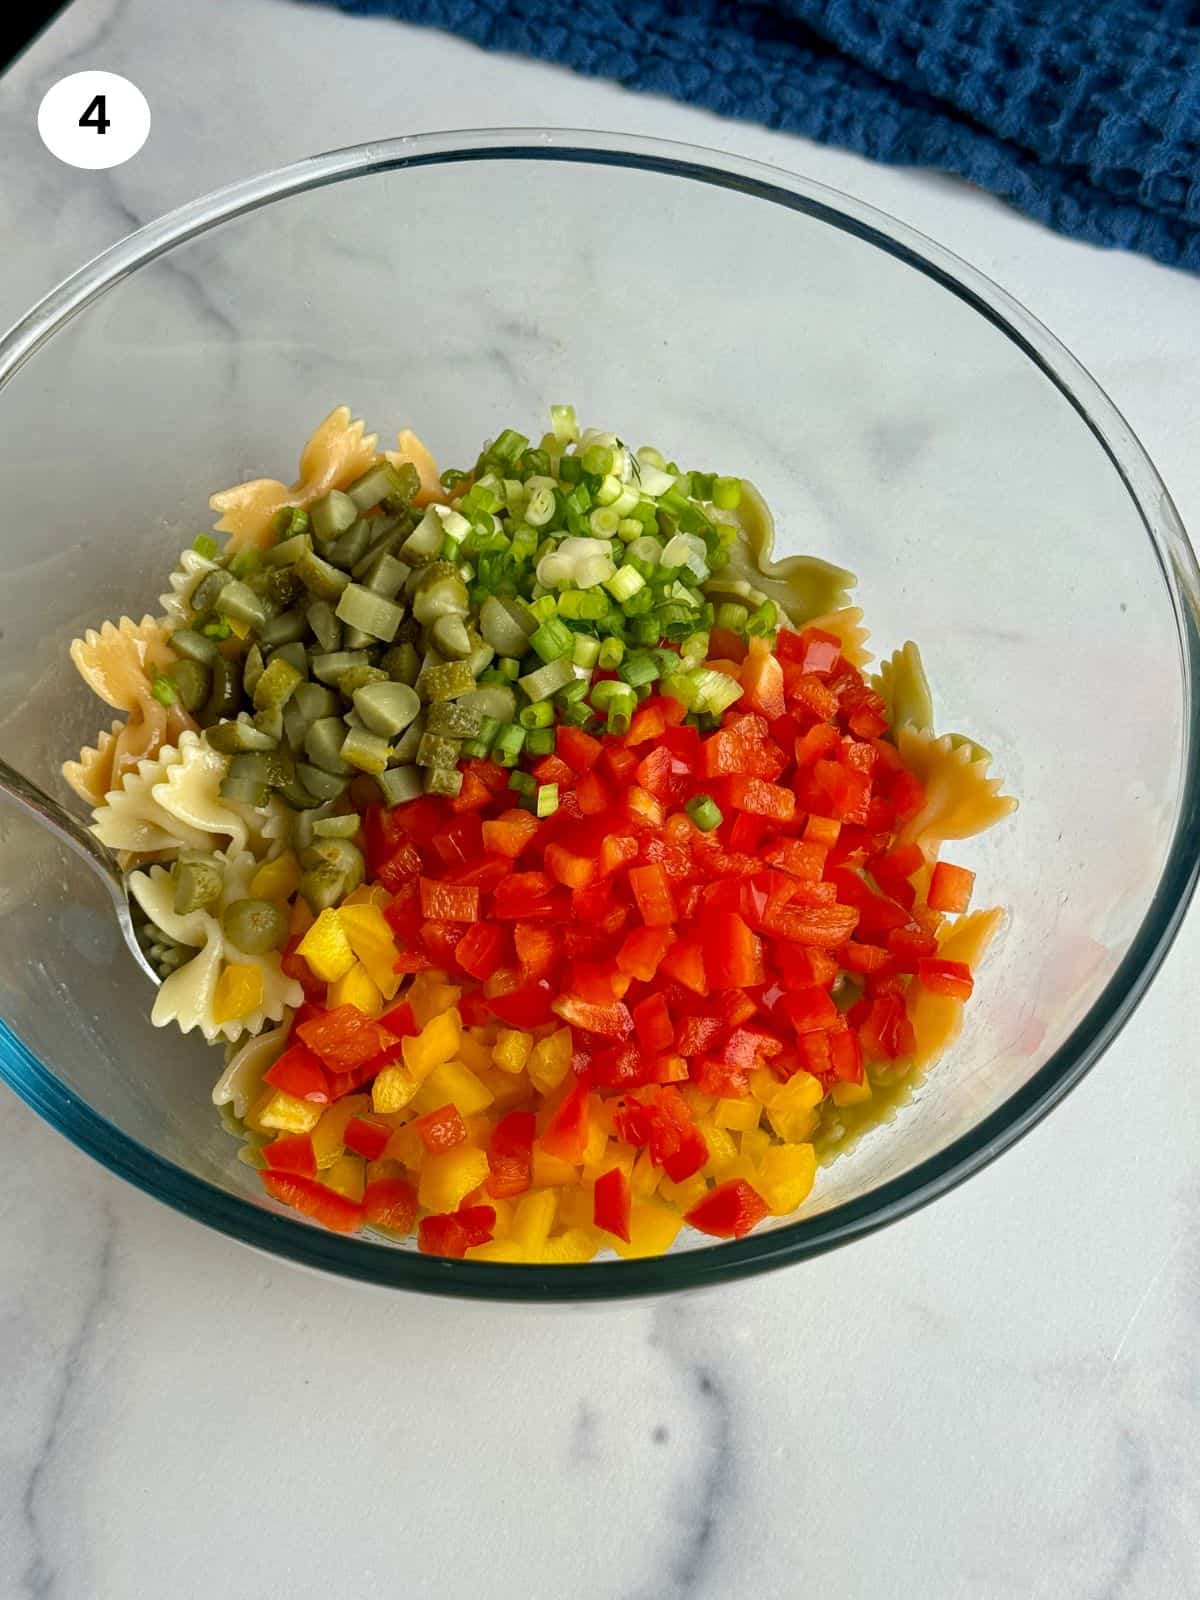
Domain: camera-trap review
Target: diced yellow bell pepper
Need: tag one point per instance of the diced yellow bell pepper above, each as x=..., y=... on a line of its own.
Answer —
x=373, y=943
x=607, y=1154
x=497, y=1250
x=549, y=1172
x=576, y=1205
x=348, y=1176
x=792, y=1109
x=474, y=1051
x=851, y=1094
x=753, y=1143
x=596, y=1143
x=645, y=1177
x=785, y=1176
x=452, y=1084
x=686, y=1194
x=741, y=1168
x=329, y=1135
x=508, y=1091
x=407, y=1147
x=736, y=1114
x=533, y=1218
x=437, y=1042
x=511, y=1050
x=550, y=1060
x=356, y=988
x=652, y=1230
x=429, y=995
x=575, y=1245
x=237, y=627
x=283, y=1112
x=367, y=894
x=276, y=880
x=326, y=948
x=698, y=1104
x=239, y=990
x=447, y=1179
x=722, y=1148
x=300, y=918
x=392, y=1089
x=505, y=1211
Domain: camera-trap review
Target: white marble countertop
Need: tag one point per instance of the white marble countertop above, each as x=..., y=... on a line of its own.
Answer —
x=997, y=1398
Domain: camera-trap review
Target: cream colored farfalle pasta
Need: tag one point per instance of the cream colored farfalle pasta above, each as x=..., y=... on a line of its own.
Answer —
x=905, y=689
x=803, y=587
x=189, y=570
x=187, y=995
x=961, y=799
x=241, y=1082
x=91, y=777
x=174, y=803
x=117, y=662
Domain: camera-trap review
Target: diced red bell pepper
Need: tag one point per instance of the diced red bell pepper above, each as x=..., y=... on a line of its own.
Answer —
x=764, y=799
x=822, y=830
x=441, y=1130
x=449, y=902
x=801, y=965
x=907, y=795
x=400, y=1021
x=481, y=950
x=366, y=1138
x=566, y=1133
x=729, y=1211
x=808, y=1009
x=885, y=1031
x=592, y=794
x=909, y=944
x=575, y=871
x=611, y=1203
x=578, y=749
x=804, y=860
x=494, y=778
x=697, y=1033
x=538, y=949
x=473, y=796
x=461, y=841
x=617, y=850
x=390, y=1203
x=484, y=873
x=524, y=896
x=725, y=645
x=313, y=1199
x=526, y=1006
x=652, y=891
x=652, y=1023
x=299, y=1073
x=733, y=955
x=620, y=762
x=643, y=950
x=845, y=1056
x=552, y=769
x=823, y=926
x=856, y=957
x=596, y=981
x=292, y=1152
x=453, y=1233
x=816, y=651
x=951, y=978
x=642, y=809
x=762, y=680
x=344, y=1038
x=820, y=741
x=441, y=941
x=950, y=888
x=401, y=866
x=510, y=833
x=611, y=1021
x=684, y=962
x=510, y=1155
x=621, y=1066
x=809, y=697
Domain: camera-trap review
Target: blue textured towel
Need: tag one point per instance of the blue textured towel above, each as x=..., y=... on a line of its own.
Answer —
x=1084, y=113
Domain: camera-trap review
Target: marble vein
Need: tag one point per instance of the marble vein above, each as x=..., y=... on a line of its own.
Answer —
x=41, y=1577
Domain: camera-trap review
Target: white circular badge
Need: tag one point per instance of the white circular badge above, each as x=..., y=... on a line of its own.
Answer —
x=94, y=119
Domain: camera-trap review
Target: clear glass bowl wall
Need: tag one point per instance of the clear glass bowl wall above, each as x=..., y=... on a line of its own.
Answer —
x=900, y=414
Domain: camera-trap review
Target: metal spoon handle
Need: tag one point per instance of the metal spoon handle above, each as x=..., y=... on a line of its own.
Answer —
x=57, y=820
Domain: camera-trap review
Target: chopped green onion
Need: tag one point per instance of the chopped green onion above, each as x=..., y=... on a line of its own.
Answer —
x=638, y=668
x=586, y=651
x=624, y=583
x=163, y=691
x=732, y=617
x=562, y=421
x=704, y=812
x=547, y=680
x=539, y=742
x=522, y=782
x=204, y=545
x=763, y=621
x=612, y=651
x=538, y=715
x=552, y=639
x=546, y=802
x=507, y=745
x=727, y=493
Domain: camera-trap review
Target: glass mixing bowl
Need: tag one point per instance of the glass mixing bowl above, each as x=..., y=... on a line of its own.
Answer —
x=903, y=416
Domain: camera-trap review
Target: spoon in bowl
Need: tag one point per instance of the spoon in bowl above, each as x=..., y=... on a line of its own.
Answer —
x=58, y=821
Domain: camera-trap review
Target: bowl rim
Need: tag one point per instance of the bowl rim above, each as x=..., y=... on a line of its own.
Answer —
x=278, y=1233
